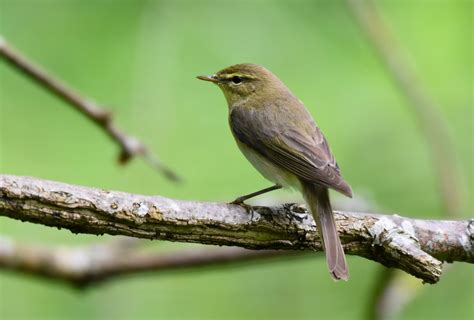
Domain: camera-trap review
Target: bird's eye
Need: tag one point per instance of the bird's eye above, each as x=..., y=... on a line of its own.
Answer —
x=236, y=79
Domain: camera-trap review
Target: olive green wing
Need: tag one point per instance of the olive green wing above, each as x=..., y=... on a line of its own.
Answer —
x=291, y=140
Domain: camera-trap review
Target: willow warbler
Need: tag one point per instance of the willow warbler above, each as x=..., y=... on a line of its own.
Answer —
x=279, y=137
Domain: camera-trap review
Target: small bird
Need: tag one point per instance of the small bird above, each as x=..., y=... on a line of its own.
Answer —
x=279, y=137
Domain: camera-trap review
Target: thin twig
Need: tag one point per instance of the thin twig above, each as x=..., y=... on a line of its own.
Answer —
x=130, y=146
x=433, y=128
x=432, y=124
x=413, y=245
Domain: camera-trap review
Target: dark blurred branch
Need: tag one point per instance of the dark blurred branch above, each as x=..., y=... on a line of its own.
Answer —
x=130, y=146
x=83, y=267
x=433, y=127
x=393, y=292
x=413, y=245
x=383, y=277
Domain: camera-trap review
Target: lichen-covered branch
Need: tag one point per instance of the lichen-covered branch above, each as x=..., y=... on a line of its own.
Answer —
x=415, y=246
x=91, y=265
x=130, y=146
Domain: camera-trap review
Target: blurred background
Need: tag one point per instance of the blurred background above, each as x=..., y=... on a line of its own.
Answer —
x=140, y=59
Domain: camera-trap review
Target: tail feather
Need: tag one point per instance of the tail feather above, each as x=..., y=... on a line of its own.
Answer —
x=317, y=198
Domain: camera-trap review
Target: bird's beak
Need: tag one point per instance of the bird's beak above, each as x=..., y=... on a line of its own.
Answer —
x=212, y=78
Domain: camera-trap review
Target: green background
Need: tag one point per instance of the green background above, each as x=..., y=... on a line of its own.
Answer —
x=140, y=59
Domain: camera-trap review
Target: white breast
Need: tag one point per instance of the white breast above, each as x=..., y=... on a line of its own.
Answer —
x=270, y=171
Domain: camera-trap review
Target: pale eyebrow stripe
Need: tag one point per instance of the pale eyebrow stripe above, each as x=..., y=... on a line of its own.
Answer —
x=236, y=74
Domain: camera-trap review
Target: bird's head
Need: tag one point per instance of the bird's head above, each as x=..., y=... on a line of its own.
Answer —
x=245, y=81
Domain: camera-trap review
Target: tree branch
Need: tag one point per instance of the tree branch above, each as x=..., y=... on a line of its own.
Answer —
x=130, y=146
x=413, y=245
x=83, y=267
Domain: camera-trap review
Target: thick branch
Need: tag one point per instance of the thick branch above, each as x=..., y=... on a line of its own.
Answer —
x=130, y=146
x=413, y=245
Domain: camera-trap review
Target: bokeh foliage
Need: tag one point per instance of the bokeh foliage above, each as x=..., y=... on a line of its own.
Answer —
x=141, y=57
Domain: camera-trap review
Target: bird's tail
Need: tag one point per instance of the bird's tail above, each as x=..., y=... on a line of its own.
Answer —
x=317, y=198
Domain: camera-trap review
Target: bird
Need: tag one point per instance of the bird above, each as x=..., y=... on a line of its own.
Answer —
x=279, y=137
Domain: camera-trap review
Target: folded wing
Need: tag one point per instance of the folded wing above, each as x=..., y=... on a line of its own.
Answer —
x=291, y=140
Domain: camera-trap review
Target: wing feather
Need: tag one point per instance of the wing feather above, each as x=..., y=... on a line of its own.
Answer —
x=303, y=151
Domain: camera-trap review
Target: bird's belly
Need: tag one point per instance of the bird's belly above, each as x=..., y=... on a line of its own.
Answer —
x=269, y=170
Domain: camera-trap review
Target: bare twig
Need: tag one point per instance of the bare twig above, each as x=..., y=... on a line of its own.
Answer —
x=426, y=110
x=433, y=128
x=130, y=146
x=86, y=266
x=415, y=246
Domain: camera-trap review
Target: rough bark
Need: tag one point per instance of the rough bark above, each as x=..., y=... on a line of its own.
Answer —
x=413, y=245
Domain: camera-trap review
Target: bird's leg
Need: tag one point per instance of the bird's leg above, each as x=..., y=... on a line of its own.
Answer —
x=240, y=200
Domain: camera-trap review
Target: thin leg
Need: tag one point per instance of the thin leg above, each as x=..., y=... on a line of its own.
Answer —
x=240, y=200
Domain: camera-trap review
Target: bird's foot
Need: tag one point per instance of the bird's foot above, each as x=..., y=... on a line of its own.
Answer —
x=240, y=202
